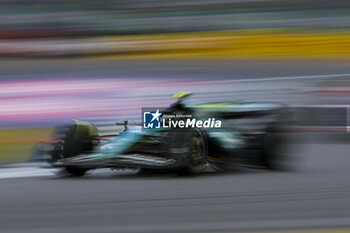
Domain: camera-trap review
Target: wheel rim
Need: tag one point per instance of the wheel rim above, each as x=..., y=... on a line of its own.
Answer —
x=198, y=148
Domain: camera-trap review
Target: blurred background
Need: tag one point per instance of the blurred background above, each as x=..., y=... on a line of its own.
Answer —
x=104, y=60
x=225, y=28
x=62, y=60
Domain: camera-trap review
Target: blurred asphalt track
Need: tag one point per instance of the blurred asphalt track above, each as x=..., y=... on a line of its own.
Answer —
x=314, y=197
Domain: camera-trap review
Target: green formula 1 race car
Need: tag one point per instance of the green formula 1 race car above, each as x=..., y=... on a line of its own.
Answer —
x=188, y=139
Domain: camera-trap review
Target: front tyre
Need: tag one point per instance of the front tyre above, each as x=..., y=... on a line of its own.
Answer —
x=77, y=141
x=75, y=171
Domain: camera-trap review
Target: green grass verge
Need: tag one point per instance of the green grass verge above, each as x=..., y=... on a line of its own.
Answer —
x=16, y=145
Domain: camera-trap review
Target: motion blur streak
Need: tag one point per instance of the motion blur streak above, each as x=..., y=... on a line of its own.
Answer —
x=102, y=61
x=201, y=29
x=61, y=99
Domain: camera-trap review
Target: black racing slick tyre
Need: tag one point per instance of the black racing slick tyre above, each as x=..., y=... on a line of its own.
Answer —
x=76, y=141
x=274, y=149
x=190, y=146
x=75, y=171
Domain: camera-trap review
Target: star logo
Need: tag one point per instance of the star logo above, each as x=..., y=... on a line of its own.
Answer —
x=152, y=119
x=156, y=115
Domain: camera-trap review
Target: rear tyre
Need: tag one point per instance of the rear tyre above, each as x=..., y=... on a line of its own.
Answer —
x=190, y=145
x=274, y=149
